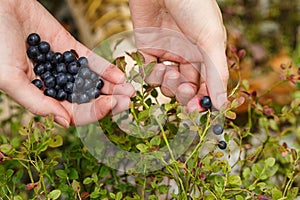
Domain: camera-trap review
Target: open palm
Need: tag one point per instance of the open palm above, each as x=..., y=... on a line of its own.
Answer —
x=20, y=18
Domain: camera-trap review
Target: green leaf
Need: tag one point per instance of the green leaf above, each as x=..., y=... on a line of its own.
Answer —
x=138, y=58
x=257, y=170
x=17, y=197
x=17, y=177
x=246, y=173
x=54, y=194
x=144, y=114
x=6, y=148
x=56, y=141
x=42, y=147
x=95, y=194
x=61, y=173
x=149, y=67
x=230, y=114
x=119, y=196
x=142, y=147
x=73, y=174
x=112, y=195
x=276, y=194
x=293, y=192
x=270, y=162
x=234, y=180
x=239, y=197
x=87, y=180
x=155, y=141
x=104, y=171
x=9, y=173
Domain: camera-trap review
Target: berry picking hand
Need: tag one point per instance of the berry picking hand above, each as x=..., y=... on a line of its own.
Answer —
x=18, y=19
x=188, y=32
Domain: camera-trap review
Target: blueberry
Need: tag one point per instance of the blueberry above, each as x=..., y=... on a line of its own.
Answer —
x=205, y=102
x=79, y=82
x=48, y=66
x=61, y=79
x=69, y=87
x=68, y=56
x=222, y=145
x=57, y=58
x=49, y=82
x=49, y=56
x=70, y=77
x=44, y=47
x=57, y=87
x=61, y=67
x=40, y=58
x=73, y=67
x=84, y=72
x=83, y=98
x=39, y=69
x=45, y=75
x=38, y=83
x=218, y=129
x=32, y=52
x=51, y=92
x=61, y=95
x=33, y=39
x=83, y=62
x=72, y=97
x=99, y=84
x=94, y=77
x=93, y=93
x=87, y=84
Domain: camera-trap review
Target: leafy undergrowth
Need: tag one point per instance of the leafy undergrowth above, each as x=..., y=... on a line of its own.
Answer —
x=262, y=159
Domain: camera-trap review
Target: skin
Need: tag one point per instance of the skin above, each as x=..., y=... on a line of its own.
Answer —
x=194, y=37
x=198, y=20
x=19, y=18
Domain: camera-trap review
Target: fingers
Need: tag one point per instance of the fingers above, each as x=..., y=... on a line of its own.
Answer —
x=61, y=40
x=33, y=99
x=98, y=108
x=216, y=74
x=155, y=78
x=194, y=103
x=119, y=89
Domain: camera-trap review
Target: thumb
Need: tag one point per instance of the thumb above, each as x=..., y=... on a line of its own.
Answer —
x=216, y=72
x=36, y=102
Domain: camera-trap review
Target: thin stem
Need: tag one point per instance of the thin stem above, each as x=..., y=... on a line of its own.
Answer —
x=271, y=88
x=207, y=126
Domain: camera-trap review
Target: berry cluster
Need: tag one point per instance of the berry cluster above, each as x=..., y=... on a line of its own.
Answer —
x=62, y=76
x=217, y=129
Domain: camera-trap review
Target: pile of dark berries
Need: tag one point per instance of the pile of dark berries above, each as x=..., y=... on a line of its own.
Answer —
x=62, y=76
x=217, y=129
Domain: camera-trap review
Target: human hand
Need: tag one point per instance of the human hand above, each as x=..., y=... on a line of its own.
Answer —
x=18, y=19
x=188, y=32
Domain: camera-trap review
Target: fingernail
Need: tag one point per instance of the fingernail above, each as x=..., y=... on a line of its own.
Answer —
x=172, y=79
x=62, y=121
x=159, y=73
x=113, y=102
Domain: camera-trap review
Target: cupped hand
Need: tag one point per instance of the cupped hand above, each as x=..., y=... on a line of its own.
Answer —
x=18, y=19
x=191, y=33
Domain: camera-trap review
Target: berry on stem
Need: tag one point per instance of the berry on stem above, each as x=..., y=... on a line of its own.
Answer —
x=218, y=129
x=205, y=102
x=222, y=145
